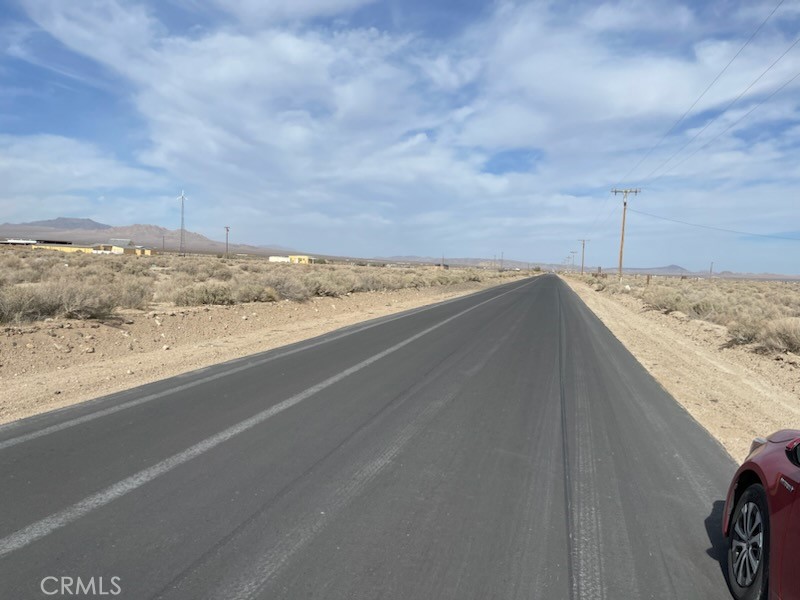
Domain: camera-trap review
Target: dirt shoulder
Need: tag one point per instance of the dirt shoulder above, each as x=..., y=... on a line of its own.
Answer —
x=59, y=362
x=733, y=392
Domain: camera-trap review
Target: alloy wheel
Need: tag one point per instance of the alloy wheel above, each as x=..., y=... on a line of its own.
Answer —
x=747, y=544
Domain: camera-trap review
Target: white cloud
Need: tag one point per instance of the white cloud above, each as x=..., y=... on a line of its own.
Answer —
x=261, y=11
x=51, y=165
x=342, y=129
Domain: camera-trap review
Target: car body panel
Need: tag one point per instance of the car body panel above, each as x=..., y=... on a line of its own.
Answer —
x=790, y=556
x=769, y=465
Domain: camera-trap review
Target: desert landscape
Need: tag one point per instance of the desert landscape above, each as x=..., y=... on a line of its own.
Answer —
x=79, y=326
x=725, y=349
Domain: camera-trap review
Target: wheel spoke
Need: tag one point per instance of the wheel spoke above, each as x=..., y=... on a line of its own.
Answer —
x=755, y=524
x=739, y=568
x=738, y=529
x=752, y=563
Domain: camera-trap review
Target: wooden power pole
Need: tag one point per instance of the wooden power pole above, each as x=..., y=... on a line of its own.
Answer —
x=624, y=193
x=583, y=252
x=227, y=229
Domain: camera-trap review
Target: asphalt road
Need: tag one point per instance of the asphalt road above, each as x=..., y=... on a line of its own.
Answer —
x=501, y=445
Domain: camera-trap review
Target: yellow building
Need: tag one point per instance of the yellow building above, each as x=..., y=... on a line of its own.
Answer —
x=63, y=248
x=300, y=259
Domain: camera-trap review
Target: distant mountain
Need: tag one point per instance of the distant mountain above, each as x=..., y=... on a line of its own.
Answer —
x=506, y=263
x=151, y=236
x=67, y=223
x=668, y=270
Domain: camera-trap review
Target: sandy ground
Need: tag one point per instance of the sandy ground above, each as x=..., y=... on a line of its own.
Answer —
x=56, y=363
x=735, y=393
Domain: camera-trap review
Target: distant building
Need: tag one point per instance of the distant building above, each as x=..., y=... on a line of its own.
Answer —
x=280, y=259
x=18, y=242
x=106, y=249
x=300, y=259
x=113, y=248
x=62, y=247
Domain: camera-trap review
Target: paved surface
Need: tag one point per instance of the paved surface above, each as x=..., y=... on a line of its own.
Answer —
x=502, y=445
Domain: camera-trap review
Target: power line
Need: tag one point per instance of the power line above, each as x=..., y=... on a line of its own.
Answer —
x=723, y=111
x=713, y=228
x=705, y=91
x=727, y=129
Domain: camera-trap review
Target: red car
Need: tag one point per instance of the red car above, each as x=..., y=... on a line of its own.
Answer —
x=762, y=521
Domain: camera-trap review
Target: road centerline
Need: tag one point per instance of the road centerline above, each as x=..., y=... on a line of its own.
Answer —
x=55, y=521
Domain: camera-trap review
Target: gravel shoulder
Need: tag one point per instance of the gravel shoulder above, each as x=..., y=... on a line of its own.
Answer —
x=59, y=362
x=735, y=393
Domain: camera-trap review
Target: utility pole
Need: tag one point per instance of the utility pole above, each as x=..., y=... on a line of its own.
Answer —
x=182, y=250
x=624, y=193
x=572, y=254
x=583, y=252
x=711, y=270
x=501, y=261
x=227, y=229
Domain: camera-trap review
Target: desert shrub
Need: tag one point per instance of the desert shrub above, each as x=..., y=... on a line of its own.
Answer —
x=744, y=330
x=662, y=298
x=137, y=267
x=781, y=334
x=220, y=271
x=134, y=293
x=203, y=293
x=334, y=283
x=20, y=303
x=83, y=299
x=473, y=275
x=23, y=275
x=289, y=284
x=254, y=292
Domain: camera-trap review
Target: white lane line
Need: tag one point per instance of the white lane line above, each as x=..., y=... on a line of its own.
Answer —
x=267, y=563
x=180, y=388
x=46, y=526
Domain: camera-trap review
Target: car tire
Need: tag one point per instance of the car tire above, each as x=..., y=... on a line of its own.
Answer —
x=748, y=546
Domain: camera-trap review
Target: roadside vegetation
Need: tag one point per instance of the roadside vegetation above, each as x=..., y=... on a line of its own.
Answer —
x=765, y=314
x=38, y=284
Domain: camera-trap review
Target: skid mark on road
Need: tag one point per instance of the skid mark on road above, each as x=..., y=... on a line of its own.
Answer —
x=583, y=522
x=253, y=581
x=48, y=525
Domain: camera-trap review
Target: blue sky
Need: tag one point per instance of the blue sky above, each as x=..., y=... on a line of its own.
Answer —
x=379, y=128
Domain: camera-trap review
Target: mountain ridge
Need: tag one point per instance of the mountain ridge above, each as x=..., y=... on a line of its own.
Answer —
x=152, y=236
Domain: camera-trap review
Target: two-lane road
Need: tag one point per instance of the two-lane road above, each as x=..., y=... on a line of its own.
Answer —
x=501, y=445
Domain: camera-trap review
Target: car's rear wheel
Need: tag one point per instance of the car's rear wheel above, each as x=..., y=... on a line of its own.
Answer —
x=748, y=546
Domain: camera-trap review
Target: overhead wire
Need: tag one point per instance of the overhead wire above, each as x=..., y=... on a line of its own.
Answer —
x=722, y=112
x=714, y=228
x=720, y=134
x=727, y=129
x=705, y=91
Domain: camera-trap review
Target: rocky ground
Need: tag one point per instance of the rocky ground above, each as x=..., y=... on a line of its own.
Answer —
x=735, y=392
x=58, y=362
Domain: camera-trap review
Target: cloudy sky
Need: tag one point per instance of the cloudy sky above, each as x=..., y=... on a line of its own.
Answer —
x=427, y=127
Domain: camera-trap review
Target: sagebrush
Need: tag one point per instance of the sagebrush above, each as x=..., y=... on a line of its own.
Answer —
x=37, y=284
x=764, y=313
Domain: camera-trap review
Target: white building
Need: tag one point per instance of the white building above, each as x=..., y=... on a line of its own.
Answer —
x=278, y=259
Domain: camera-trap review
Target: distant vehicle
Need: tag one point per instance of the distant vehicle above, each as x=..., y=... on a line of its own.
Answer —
x=762, y=521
